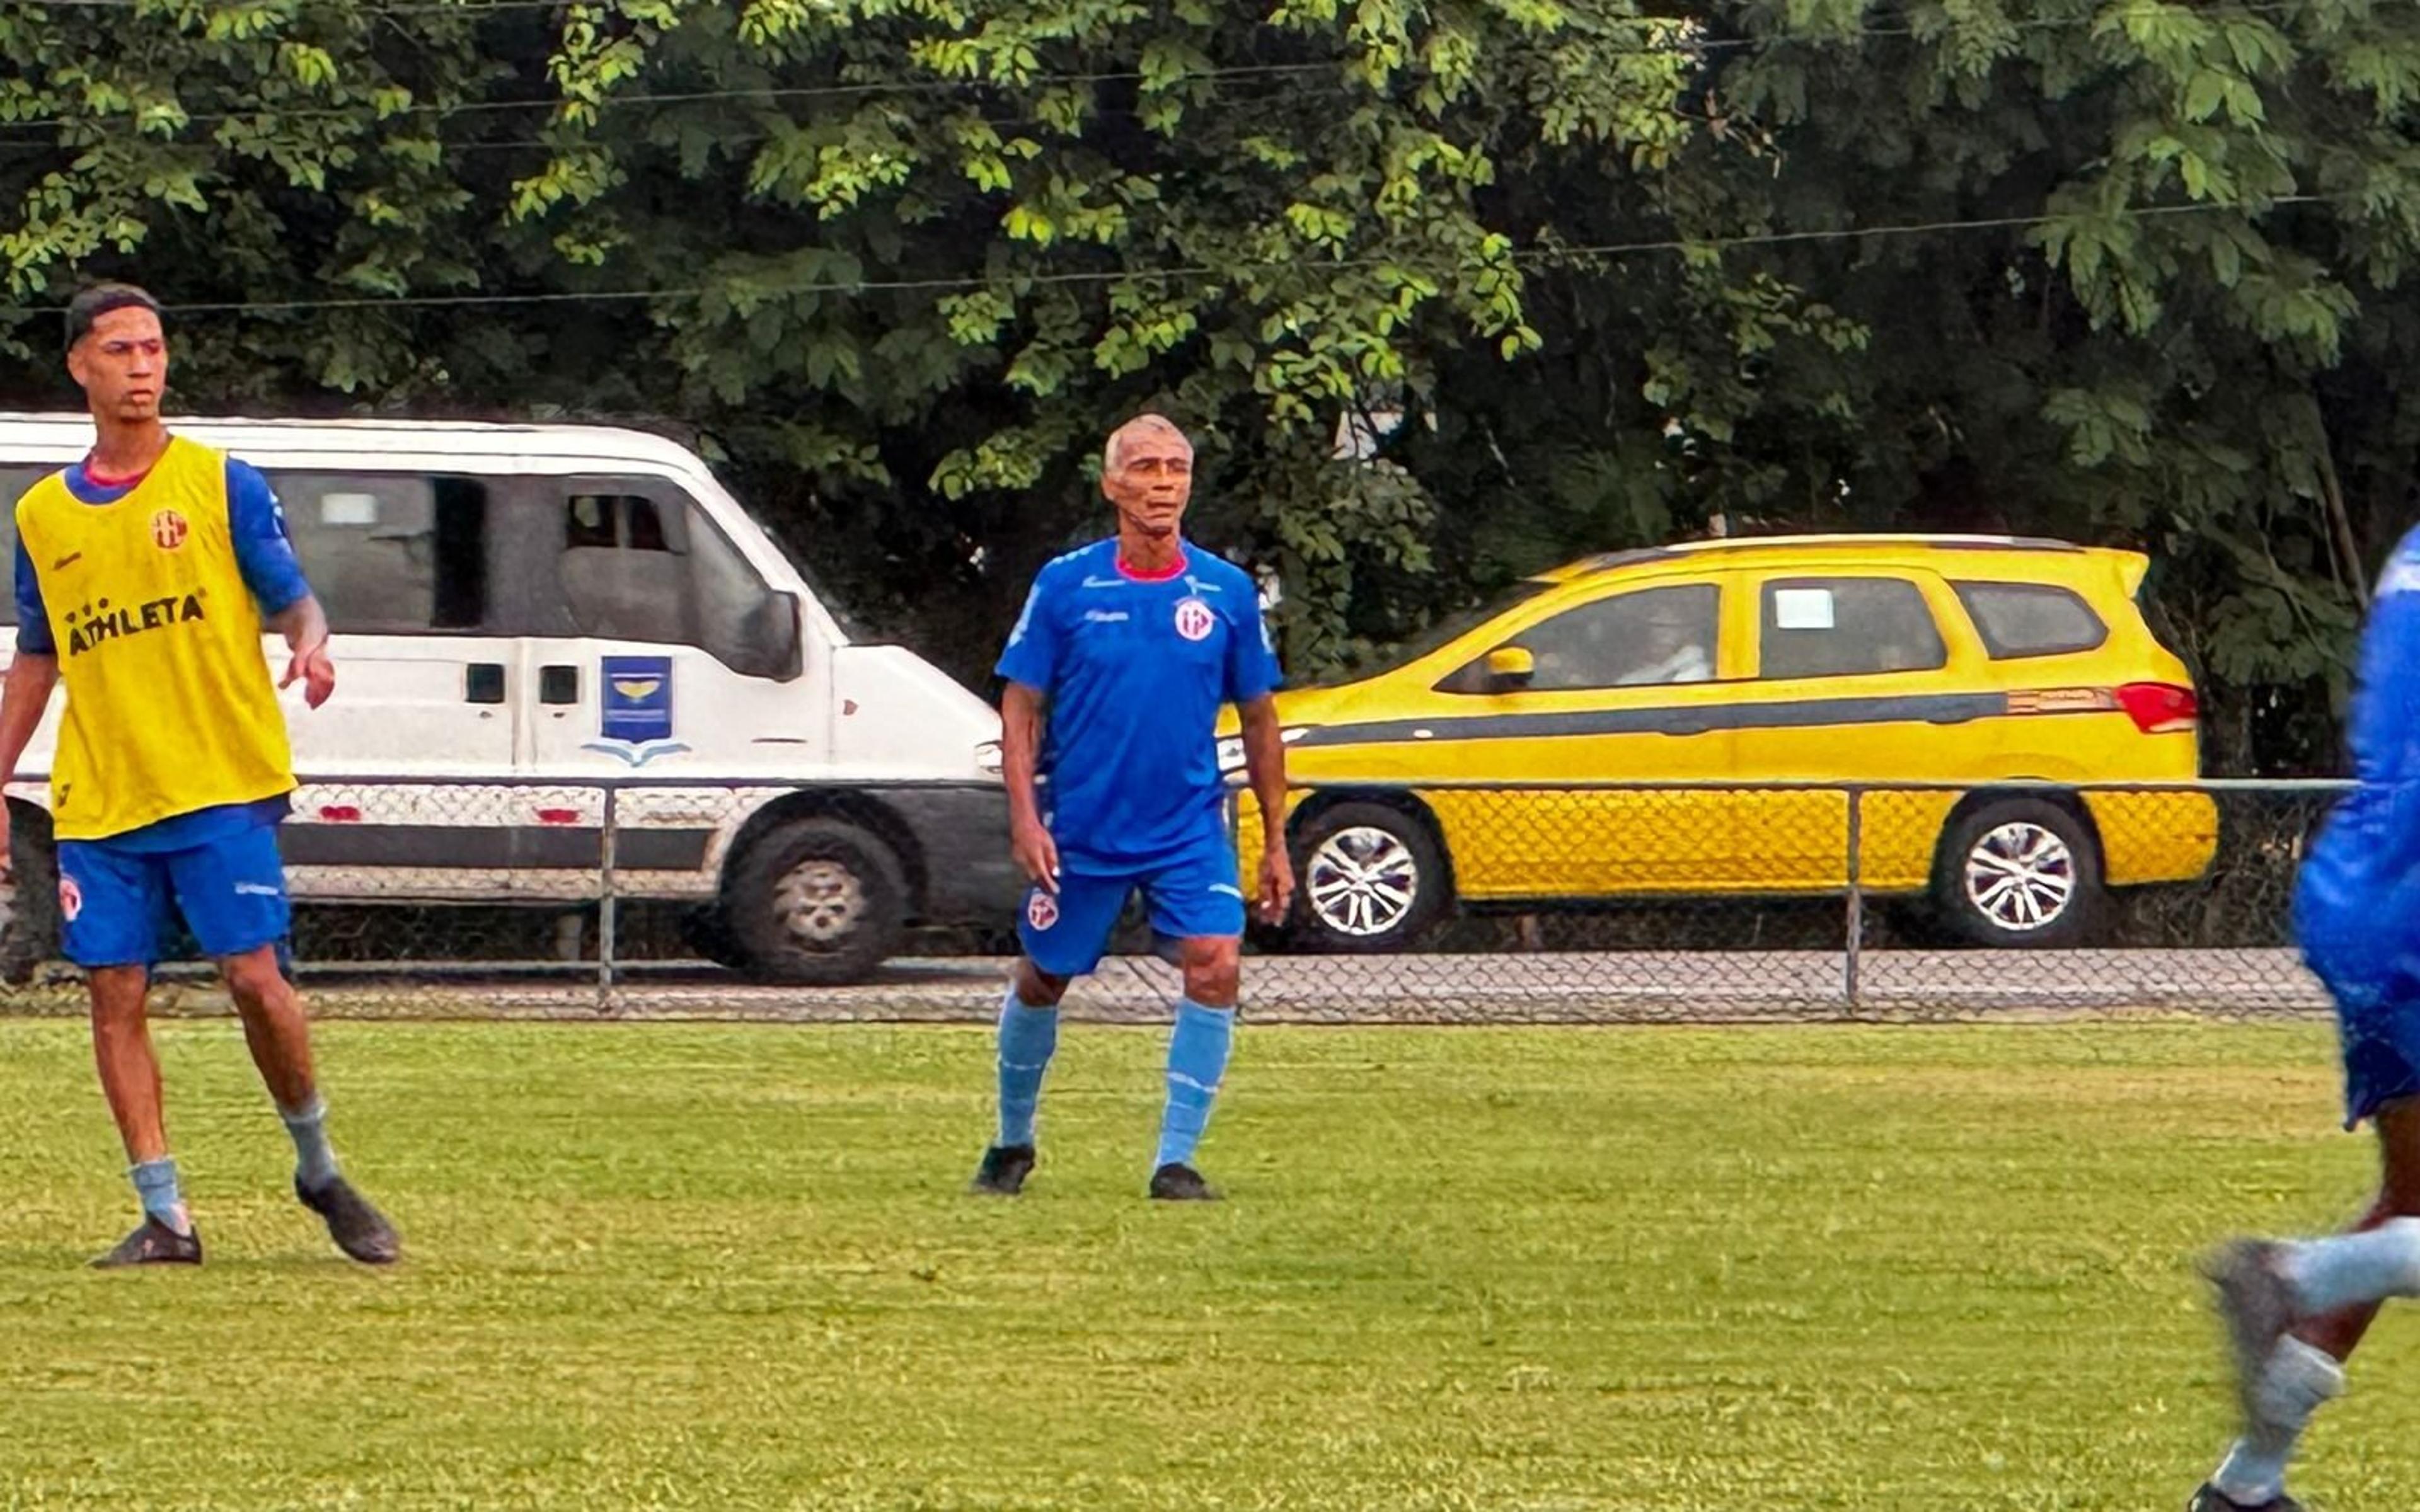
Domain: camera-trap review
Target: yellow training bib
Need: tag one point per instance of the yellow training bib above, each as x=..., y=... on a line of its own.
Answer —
x=170, y=704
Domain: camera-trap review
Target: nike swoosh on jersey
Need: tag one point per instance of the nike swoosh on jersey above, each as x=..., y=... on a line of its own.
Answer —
x=1105, y=582
x=67, y=561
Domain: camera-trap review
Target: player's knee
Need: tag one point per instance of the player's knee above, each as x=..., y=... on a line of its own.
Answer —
x=1214, y=971
x=253, y=977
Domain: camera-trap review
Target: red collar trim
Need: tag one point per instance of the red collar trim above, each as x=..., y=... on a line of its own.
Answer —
x=94, y=475
x=101, y=480
x=1173, y=570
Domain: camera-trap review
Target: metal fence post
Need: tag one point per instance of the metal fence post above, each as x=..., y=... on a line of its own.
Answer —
x=605, y=902
x=1857, y=921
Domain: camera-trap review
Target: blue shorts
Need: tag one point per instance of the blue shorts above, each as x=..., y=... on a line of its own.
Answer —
x=2366, y=951
x=119, y=907
x=1192, y=895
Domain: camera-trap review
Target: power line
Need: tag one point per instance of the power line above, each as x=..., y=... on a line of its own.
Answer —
x=899, y=286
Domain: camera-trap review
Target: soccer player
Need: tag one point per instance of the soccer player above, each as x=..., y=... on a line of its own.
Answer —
x=145, y=576
x=1127, y=649
x=2294, y=1311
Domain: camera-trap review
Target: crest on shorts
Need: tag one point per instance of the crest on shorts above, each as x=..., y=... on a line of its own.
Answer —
x=71, y=898
x=1041, y=910
x=1195, y=619
x=167, y=529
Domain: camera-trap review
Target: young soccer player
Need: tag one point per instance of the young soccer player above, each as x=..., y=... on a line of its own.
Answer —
x=2294, y=1311
x=145, y=576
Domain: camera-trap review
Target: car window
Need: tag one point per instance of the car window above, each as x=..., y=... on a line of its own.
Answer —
x=1640, y=638
x=652, y=566
x=2031, y=619
x=390, y=553
x=1847, y=627
x=14, y=481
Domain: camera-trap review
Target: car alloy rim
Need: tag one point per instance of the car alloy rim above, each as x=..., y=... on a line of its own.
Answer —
x=1362, y=882
x=2021, y=876
x=820, y=903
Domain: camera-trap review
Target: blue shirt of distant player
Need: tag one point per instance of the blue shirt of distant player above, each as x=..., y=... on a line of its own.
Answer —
x=266, y=558
x=1133, y=670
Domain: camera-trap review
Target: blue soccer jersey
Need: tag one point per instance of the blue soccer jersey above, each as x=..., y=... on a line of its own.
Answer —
x=2371, y=844
x=1135, y=670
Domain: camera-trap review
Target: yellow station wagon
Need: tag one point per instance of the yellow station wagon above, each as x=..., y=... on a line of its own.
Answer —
x=1849, y=660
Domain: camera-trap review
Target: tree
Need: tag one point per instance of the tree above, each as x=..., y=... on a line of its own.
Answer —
x=903, y=263
x=2127, y=271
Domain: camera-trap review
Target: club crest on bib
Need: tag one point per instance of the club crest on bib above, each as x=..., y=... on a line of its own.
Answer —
x=167, y=529
x=1042, y=910
x=1195, y=619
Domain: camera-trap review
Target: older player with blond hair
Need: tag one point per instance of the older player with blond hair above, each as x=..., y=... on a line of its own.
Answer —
x=1117, y=671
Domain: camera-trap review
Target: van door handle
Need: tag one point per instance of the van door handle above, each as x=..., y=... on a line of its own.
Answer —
x=558, y=683
x=483, y=682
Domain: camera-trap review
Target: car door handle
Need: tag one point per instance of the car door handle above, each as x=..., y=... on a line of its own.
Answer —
x=483, y=682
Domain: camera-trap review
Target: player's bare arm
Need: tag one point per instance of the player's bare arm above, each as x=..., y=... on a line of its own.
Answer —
x=1264, y=763
x=305, y=625
x=24, y=695
x=1029, y=838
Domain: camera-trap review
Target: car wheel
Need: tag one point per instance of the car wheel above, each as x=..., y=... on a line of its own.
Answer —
x=819, y=901
x=1368, y=878
x=2019, y=873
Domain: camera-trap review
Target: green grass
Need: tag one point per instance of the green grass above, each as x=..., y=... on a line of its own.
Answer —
x=732, y=1267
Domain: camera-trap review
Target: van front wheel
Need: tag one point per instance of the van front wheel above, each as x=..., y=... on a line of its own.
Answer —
x=818, y=902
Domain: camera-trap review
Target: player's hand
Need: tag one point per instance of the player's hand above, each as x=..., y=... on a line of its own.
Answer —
x=1277, y=883
x=312, y=668
x=1037, y=853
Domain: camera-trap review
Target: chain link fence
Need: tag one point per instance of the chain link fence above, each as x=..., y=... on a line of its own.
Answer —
x=1441, y=902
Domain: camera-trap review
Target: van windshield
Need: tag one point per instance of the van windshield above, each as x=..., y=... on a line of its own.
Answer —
x=1457, y=624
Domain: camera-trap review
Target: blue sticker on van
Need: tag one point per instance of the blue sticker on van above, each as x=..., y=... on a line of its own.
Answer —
x=637, y=698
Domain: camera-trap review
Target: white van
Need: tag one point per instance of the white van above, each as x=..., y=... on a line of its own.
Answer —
x=524, y=605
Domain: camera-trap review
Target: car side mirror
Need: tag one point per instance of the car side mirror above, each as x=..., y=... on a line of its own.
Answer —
x=1510, y=667
x=773, y=643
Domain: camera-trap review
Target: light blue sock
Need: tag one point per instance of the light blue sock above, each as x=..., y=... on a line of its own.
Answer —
x=314, y=1159
x=1197, y=1062
x=1029, y=1036
x=155, y=1182
x=2382, y=1262
x=2296, y=1380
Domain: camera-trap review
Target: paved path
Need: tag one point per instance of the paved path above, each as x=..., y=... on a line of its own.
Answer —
x=1545, y=987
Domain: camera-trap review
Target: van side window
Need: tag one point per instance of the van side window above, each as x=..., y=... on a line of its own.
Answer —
x=652, y=567
x=2018, y=620
x=1847, y=627
x=390, y=553
x=14, y=481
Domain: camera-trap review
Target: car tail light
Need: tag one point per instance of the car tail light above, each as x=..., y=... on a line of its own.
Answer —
x=2159, y=708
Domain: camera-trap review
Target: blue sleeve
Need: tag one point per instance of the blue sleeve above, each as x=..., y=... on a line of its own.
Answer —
x=33, y=616
x=262, y=550
x=1033, y=653
x=1252, y=657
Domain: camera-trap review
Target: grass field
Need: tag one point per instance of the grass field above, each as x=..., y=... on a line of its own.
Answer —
x=732, y=1267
